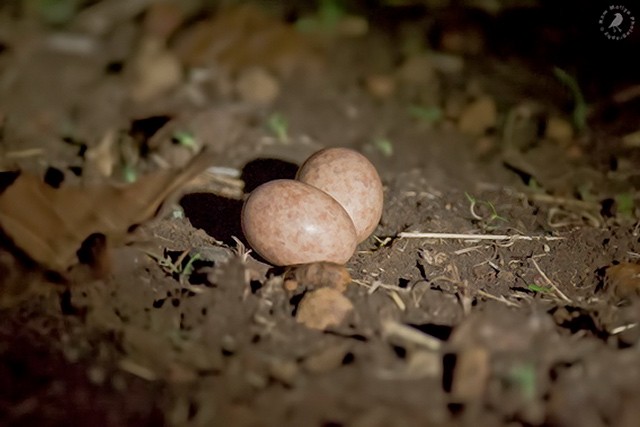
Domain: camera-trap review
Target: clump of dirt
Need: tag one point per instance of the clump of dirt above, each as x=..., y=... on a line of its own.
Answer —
x=500, y=287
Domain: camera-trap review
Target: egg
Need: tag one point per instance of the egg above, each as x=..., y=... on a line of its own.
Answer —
x=351, y=179
x=289, y=222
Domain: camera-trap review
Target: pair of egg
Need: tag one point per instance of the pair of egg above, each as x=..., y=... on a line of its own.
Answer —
x=334, y=204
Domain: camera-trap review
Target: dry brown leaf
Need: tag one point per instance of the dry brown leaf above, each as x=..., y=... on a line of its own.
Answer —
x=50, y=225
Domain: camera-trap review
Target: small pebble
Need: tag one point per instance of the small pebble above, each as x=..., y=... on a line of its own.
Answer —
x=381, y=86
x=478, y=117
x=623, y=280
x=559, y=130
x=257, y=86
x=323, y=308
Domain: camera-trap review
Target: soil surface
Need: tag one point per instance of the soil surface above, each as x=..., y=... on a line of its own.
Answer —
x=124, y=304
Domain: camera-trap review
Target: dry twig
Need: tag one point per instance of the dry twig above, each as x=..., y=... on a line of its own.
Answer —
x=495, y=237
x=501, y=298
x=393, y=329
x=549, y=281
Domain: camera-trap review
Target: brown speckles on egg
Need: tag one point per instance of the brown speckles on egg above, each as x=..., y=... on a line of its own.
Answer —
x=352, y=180
x=289, y=222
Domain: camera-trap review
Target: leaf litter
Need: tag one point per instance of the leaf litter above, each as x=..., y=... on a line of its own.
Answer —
x=448, y=316
x=50, y=224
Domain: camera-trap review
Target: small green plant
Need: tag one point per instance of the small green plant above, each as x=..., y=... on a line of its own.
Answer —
x=488, y=221
x=55, y=12
x=326, y=19
x=176, y=267
x=427, y=114
x=186, y=139
x=129, y=173
x=177, y=212
x=128, y=158
x=585, y=191
x=279, y=127
x=188, y=267
x=524, y=378
x=624, y=205
x=381, y=243
x=384, y=146
x=539, y=289
x=534, y=185
x=580, y=105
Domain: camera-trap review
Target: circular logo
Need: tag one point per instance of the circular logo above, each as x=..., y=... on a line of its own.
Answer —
x=616, y=22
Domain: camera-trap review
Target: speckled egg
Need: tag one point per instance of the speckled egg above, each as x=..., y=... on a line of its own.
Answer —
x=351, y=179
x=289, y=222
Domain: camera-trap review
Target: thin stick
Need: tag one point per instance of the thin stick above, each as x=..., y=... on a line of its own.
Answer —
x=393, y=329
x=396, y=298
x=495, y=237
x=547, y=198
x=619, y=329
x=549, y=281
x=30, y=152
x=627, y=94
x=371, y=288
x=138, y=370
x=501, y=298
x=466, y=250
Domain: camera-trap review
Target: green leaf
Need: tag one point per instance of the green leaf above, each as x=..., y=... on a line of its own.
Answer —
x=185, y=139
x=624, y=205
x=384, y=145
x=580, y=105
x=278, y=125
x=56, y=12
x=428, y=114
x=188, y=268
x=129, y=174
x=524, y=377
x=326, y=18
x=537, y=288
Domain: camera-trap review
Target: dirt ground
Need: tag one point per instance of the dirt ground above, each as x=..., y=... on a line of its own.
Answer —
x=122, y=304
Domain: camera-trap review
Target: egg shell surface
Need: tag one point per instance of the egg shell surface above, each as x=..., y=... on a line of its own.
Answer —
x=351, y=179
x=289, y=222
